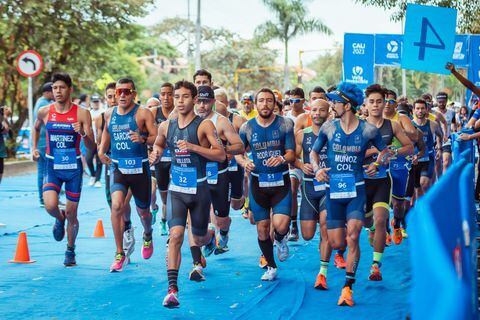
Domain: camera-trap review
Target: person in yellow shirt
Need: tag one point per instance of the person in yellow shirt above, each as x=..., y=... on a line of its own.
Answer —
x=248, y=108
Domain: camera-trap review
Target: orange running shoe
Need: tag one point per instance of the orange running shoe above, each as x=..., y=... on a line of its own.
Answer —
x=263, y=262
x=321, y=282
x=339, y=262
x=375, y=274
x=388, y=240
x=346, y=298
x=397, y=236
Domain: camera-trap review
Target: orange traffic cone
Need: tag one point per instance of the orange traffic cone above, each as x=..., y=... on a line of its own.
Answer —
x=22, y=255
x=99, y=232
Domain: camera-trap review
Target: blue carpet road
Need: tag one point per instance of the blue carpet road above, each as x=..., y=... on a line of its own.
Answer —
x=233, y=289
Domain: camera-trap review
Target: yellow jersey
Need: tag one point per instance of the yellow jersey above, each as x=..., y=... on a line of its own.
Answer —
x=249, y=116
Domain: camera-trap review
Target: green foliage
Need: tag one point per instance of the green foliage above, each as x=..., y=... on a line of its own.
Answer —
x=328, y=68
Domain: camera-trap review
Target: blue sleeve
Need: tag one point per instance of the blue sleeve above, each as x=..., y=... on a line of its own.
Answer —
x=289, y=137
x=320, y=142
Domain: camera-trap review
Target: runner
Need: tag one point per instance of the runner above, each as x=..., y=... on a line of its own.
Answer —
x=297, y=100
x=449, y=115
x=248, y=110
x=312, y=208
x=217, y=173
x=378, y=187
x=65, y=125
x=192, y=142
x=271, y=141
x=347, y=140
x=202, y=78
x=304, y=120
x=153, y=104
x=129, y=128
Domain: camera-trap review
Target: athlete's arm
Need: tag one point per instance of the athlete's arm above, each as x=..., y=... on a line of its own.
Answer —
x=407, y=145
x=238, y=122
x=289, y=145
x=453, y=125
x=299, y=123
x=235, y=145
x=320, y=174
x=84, y=128
x=408, y=127
x=215, y=152
x=105, y=140
x=467, y=83
x=298, y=150
x=150, y=126
x=420, y=144
x=36, y=131
x=443, y=124
x=98, y=125
x=243, y=160
x=160, y=143
x=438, y=133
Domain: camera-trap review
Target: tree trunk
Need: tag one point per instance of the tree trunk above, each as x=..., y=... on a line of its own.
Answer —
x=286, y=76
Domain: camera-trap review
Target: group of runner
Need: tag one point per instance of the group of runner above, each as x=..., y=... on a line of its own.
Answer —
x=350, y=155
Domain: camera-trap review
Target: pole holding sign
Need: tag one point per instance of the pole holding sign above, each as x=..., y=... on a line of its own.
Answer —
x=30, y=64
x=429, y=38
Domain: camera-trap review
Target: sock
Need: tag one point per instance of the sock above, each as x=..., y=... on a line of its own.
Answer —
x=267, y=249
x=279, y=237
x=70, y=248
x=294, y=224
x=341, y=252
x=172, y=275
x=223, y=232
x=372, y=228
x=147, y=236
x=377, y=258
x=196, y=254
x=128, y=225
x=349, y=279
x=164, y=220
x=323, y=267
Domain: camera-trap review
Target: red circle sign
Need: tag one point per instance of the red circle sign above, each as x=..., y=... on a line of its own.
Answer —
x=29, y=63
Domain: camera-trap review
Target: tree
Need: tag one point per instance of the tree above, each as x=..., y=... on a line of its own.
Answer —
x=291, y=21
x=328, y=68
x=468, y=10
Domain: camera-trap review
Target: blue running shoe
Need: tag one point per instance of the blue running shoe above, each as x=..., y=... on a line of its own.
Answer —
x=59, y=228
x=209, y=248
x=70, y=257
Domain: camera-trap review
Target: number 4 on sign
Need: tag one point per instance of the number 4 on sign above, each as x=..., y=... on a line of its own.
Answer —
x=423, y=44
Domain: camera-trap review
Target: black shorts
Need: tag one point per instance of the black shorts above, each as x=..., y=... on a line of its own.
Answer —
x=410, y=184
x=378, y=192
x=1, y=165
x=275, y=199
x=447, y=146
x=140, y=184
x=179, y=204
x=313, y=202
x=220, y=195
x=162, y=174
x=236, y=182
x=422, y=169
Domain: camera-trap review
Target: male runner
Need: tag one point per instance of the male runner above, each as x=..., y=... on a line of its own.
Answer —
x=270, y=139
x=304, y=120
x=202, y=78
x=192, y=142
x=217, y=173
x=129, y=128
x=65, y=124
x=248, y=110
x=378, y=187
x=449, y=115
x=347, y=138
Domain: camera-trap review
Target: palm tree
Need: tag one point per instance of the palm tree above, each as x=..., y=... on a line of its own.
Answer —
x=291, y=21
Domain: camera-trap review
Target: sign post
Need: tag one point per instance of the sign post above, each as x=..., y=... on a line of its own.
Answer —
x=30, y=64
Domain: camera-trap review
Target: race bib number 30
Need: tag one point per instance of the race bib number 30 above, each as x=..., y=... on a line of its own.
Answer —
x=64, y=159
x=266, y=180
x=184, y=180
x=342, y=186
x=212, y=172
x=130, y=165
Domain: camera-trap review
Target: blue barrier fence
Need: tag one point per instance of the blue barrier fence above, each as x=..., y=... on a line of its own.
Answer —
x=443, y=250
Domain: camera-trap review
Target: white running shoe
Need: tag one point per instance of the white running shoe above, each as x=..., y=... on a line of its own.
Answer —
x=128, y=242
x=92, y=181
x=197, y=273
x=270, y=274
x=282, y=249
x=98, y=184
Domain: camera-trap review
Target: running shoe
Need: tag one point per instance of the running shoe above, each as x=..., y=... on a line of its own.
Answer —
x=147, y=248
x=293, y=236
x=128, y=242
x=404, y=233
x=245, y=213
x=346, y=297
x=221, y=244
x=397, y=236
x=163, y=228
x=59, y=228
x=388, y=240
x=282, y=249
x=91, y=182
x=209, y=248
x=118, y=263
x=321, y=282
x=375, y=274
x=154, y=214
x=70, y=258
x=171, y=299
x=339, y=261
x=197, y=273
x=270, y=274
x=98, y=184
x=263, y=262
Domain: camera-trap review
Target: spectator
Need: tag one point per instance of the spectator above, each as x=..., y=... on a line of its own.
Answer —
x=95, y=168
x=4, y=127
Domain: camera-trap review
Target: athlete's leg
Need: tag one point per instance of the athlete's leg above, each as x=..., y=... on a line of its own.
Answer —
x=72, y=226
x=117, y=217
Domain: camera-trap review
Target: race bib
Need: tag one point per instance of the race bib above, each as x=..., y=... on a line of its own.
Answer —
x=212, y=172
x=184, y=180
x=318, y=186
x=342, y=186
x=266, y=180
x=130, y=165
x=232, y=165
x=64, y=159
x=166, y=156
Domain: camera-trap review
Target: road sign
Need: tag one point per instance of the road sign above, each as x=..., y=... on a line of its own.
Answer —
x=29, y=63
x=429, y=39
x=388, y=49
x=358, y=59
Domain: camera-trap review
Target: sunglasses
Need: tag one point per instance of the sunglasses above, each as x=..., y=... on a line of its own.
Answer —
x=296, y=100
x=390, y=101
x=125, y=91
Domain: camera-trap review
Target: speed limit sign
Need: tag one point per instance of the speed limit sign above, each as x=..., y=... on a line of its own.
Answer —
x=29, y=63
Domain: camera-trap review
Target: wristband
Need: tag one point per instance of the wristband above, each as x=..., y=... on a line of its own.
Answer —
x=376, y=164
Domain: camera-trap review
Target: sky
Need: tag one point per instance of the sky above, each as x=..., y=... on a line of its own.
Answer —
x=242, y=17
